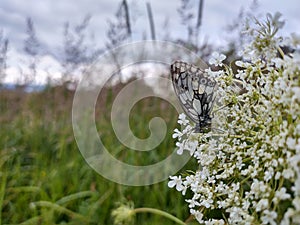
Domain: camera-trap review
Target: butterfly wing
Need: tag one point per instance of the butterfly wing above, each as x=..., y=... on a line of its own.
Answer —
x=194, y=90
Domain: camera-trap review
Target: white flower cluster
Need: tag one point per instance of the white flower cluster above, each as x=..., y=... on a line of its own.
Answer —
x=250, y=172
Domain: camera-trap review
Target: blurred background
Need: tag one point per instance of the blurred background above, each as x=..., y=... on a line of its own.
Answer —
x=45, y=47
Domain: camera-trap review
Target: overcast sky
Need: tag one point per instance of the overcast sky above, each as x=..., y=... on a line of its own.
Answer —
x=50, y=15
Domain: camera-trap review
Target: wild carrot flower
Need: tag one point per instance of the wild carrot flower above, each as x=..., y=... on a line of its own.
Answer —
x=250, y=168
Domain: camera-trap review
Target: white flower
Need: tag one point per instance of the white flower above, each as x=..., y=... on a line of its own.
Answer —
x=246, y=205
x=189, y=180
x=298, y=129
x=269, y=217
x=296, y=187
x=183, y=192
x=295, y=39
x=198, y=215
x=177, y=134
x=262, y=204
x=269, y=174
x=296, y=91
x=296, y=203
x=294, y=161
x=258, y=187
x=281, y=194
x=253, y=166
x=278, y=62
x=213, y=74
x=298, y=146
x=192, y=202
x=222, y=204
x=175, y=181
x=207, y=203
x=288, y=173
x=286, y=218
x=180, y=147
x=275, y=20
x=182, y=119
x=188, y=129
x=214, y=222
x=235, y=215
x=217, y=59
x=242, y=64
x=277, y=175
x=191, y=146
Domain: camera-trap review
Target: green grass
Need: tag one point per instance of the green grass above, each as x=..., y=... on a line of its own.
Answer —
x=45, y=180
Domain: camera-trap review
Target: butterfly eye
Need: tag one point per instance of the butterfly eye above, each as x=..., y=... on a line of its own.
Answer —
x=211, y=83
x=203, y=81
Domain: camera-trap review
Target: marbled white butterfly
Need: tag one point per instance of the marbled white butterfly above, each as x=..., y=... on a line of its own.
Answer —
x=195, y=91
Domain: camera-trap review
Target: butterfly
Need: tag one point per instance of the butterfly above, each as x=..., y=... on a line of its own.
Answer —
x=195, y=91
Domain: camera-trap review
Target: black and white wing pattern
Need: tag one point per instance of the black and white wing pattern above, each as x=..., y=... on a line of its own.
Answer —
x=195, y=91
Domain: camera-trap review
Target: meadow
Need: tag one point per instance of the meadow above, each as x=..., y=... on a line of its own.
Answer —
x=45, y=180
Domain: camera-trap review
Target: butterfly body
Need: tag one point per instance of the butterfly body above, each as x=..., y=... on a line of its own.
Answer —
x=195, y=91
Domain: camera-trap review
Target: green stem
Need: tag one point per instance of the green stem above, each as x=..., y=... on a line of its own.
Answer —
x=280, y=51
x=60, y=209
x=159, y=212
x=33, y=220
x=24, y=189
x=2, y=192
x=75, y=196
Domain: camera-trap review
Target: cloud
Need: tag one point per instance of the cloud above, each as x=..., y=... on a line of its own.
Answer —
x=49, y=17
x=18, y=68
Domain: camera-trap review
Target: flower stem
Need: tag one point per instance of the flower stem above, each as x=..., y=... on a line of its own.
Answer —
x=280, y=51
x=159, y=212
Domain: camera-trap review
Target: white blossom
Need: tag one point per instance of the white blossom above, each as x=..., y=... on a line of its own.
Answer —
x=275, y=20
x=180, y=148
x=182, y=119
x=281, y=194
x=178, y=134
x=249, y=171
x=192, y=203
x=198, y=215
x=214, y=222
x=176, y=182
x=262, y=204
x=217, y=59
x=295, y=39
x=269, y=217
